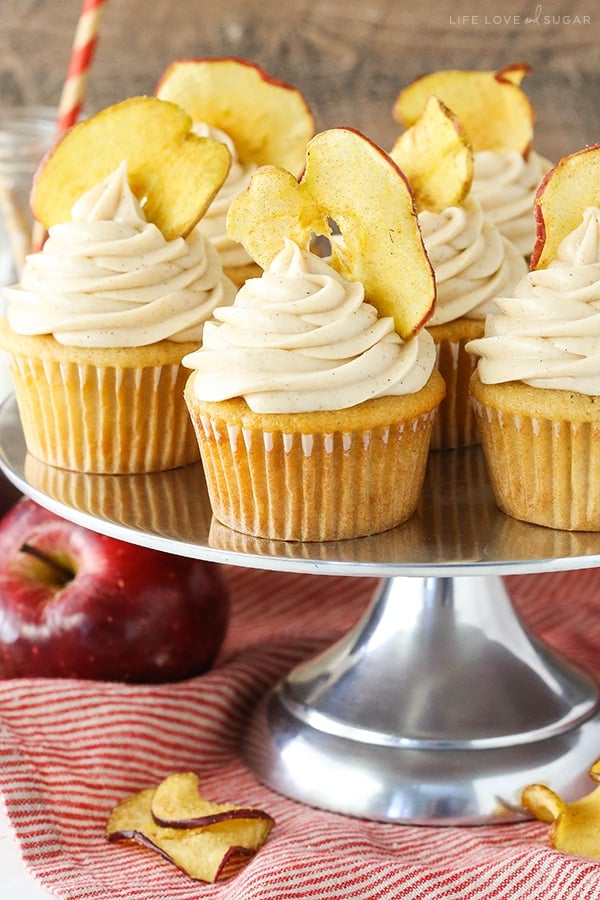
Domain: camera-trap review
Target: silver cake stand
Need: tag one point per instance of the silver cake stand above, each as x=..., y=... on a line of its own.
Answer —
x=440, y=706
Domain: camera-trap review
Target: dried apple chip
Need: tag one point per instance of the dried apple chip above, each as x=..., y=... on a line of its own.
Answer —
x=177, y=803
x=174, y=173
x=564, y=194
x=351, y=182
x=435, y=156
x=216, y=849
x=574, y=826
x=268, y=120
x=493, y=109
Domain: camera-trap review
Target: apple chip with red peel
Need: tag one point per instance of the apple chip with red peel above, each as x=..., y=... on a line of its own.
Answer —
x=211, y=845
x=564, y=194
x=574, y=826
x=435, y=156
x=174, y=173
x=268, y=121
x=514, y=72
x=177, y=803
x=493, y=109
x=351, y=182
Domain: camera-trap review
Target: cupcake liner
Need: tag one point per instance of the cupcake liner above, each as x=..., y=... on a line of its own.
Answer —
x=456, y=424
x=103, y=419
x=313, y=487
x=543, y=470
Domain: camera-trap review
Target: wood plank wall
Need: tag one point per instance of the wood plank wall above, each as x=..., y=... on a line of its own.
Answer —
x=349, y=57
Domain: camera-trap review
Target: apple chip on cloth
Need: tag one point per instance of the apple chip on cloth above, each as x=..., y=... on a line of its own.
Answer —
x=574, y=826
x=206, y=840
x=70, y=751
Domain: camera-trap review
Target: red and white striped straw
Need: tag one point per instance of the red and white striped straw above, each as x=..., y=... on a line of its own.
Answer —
x=84, y=45
x=73, y=93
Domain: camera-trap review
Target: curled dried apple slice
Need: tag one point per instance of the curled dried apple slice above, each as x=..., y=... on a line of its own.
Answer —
x=574, y=826
x=564, y=194
x=435, y=156
x=350, y=184
x=268, y=121
x=209, y=852
x=177, y=803
x=174, y=173
x=493, y=109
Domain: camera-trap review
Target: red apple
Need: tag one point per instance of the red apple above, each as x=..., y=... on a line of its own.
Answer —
x=77, y=604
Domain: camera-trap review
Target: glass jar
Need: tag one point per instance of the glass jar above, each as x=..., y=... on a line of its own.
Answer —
x=26, y=133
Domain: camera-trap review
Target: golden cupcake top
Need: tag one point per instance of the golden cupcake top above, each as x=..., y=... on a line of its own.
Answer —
x=302, y=338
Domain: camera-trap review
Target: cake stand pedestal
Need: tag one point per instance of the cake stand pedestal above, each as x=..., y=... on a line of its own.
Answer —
x=440, y=706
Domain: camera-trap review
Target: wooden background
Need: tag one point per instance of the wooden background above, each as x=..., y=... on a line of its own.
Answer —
x=349, y=57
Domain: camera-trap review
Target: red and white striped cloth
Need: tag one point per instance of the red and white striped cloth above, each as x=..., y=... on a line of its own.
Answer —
x=70, y=750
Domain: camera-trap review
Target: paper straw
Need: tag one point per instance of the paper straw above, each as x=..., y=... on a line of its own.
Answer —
x=73, y=93
x=82, y=53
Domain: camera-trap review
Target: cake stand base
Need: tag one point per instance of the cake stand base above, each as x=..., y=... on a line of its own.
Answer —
x=438, y=708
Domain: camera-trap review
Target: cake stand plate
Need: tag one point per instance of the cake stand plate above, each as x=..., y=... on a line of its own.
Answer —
x=440, y=706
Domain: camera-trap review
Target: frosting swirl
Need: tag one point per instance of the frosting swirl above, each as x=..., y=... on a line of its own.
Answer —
x=213, y=222
x=471, y=260
x=505, y=184
x=547, y=333
x=301, y=338
x=108, y=278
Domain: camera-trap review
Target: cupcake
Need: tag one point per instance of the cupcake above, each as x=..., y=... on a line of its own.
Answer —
x=498, y=119
x=313, y=414
x=471, y=260
x=98, y=324
x=536, y=389
x=273, y=129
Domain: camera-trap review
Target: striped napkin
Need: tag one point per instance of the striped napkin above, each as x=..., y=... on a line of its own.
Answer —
x=70, y=750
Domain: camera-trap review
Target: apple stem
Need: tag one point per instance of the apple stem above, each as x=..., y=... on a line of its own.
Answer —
x=63, y=573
